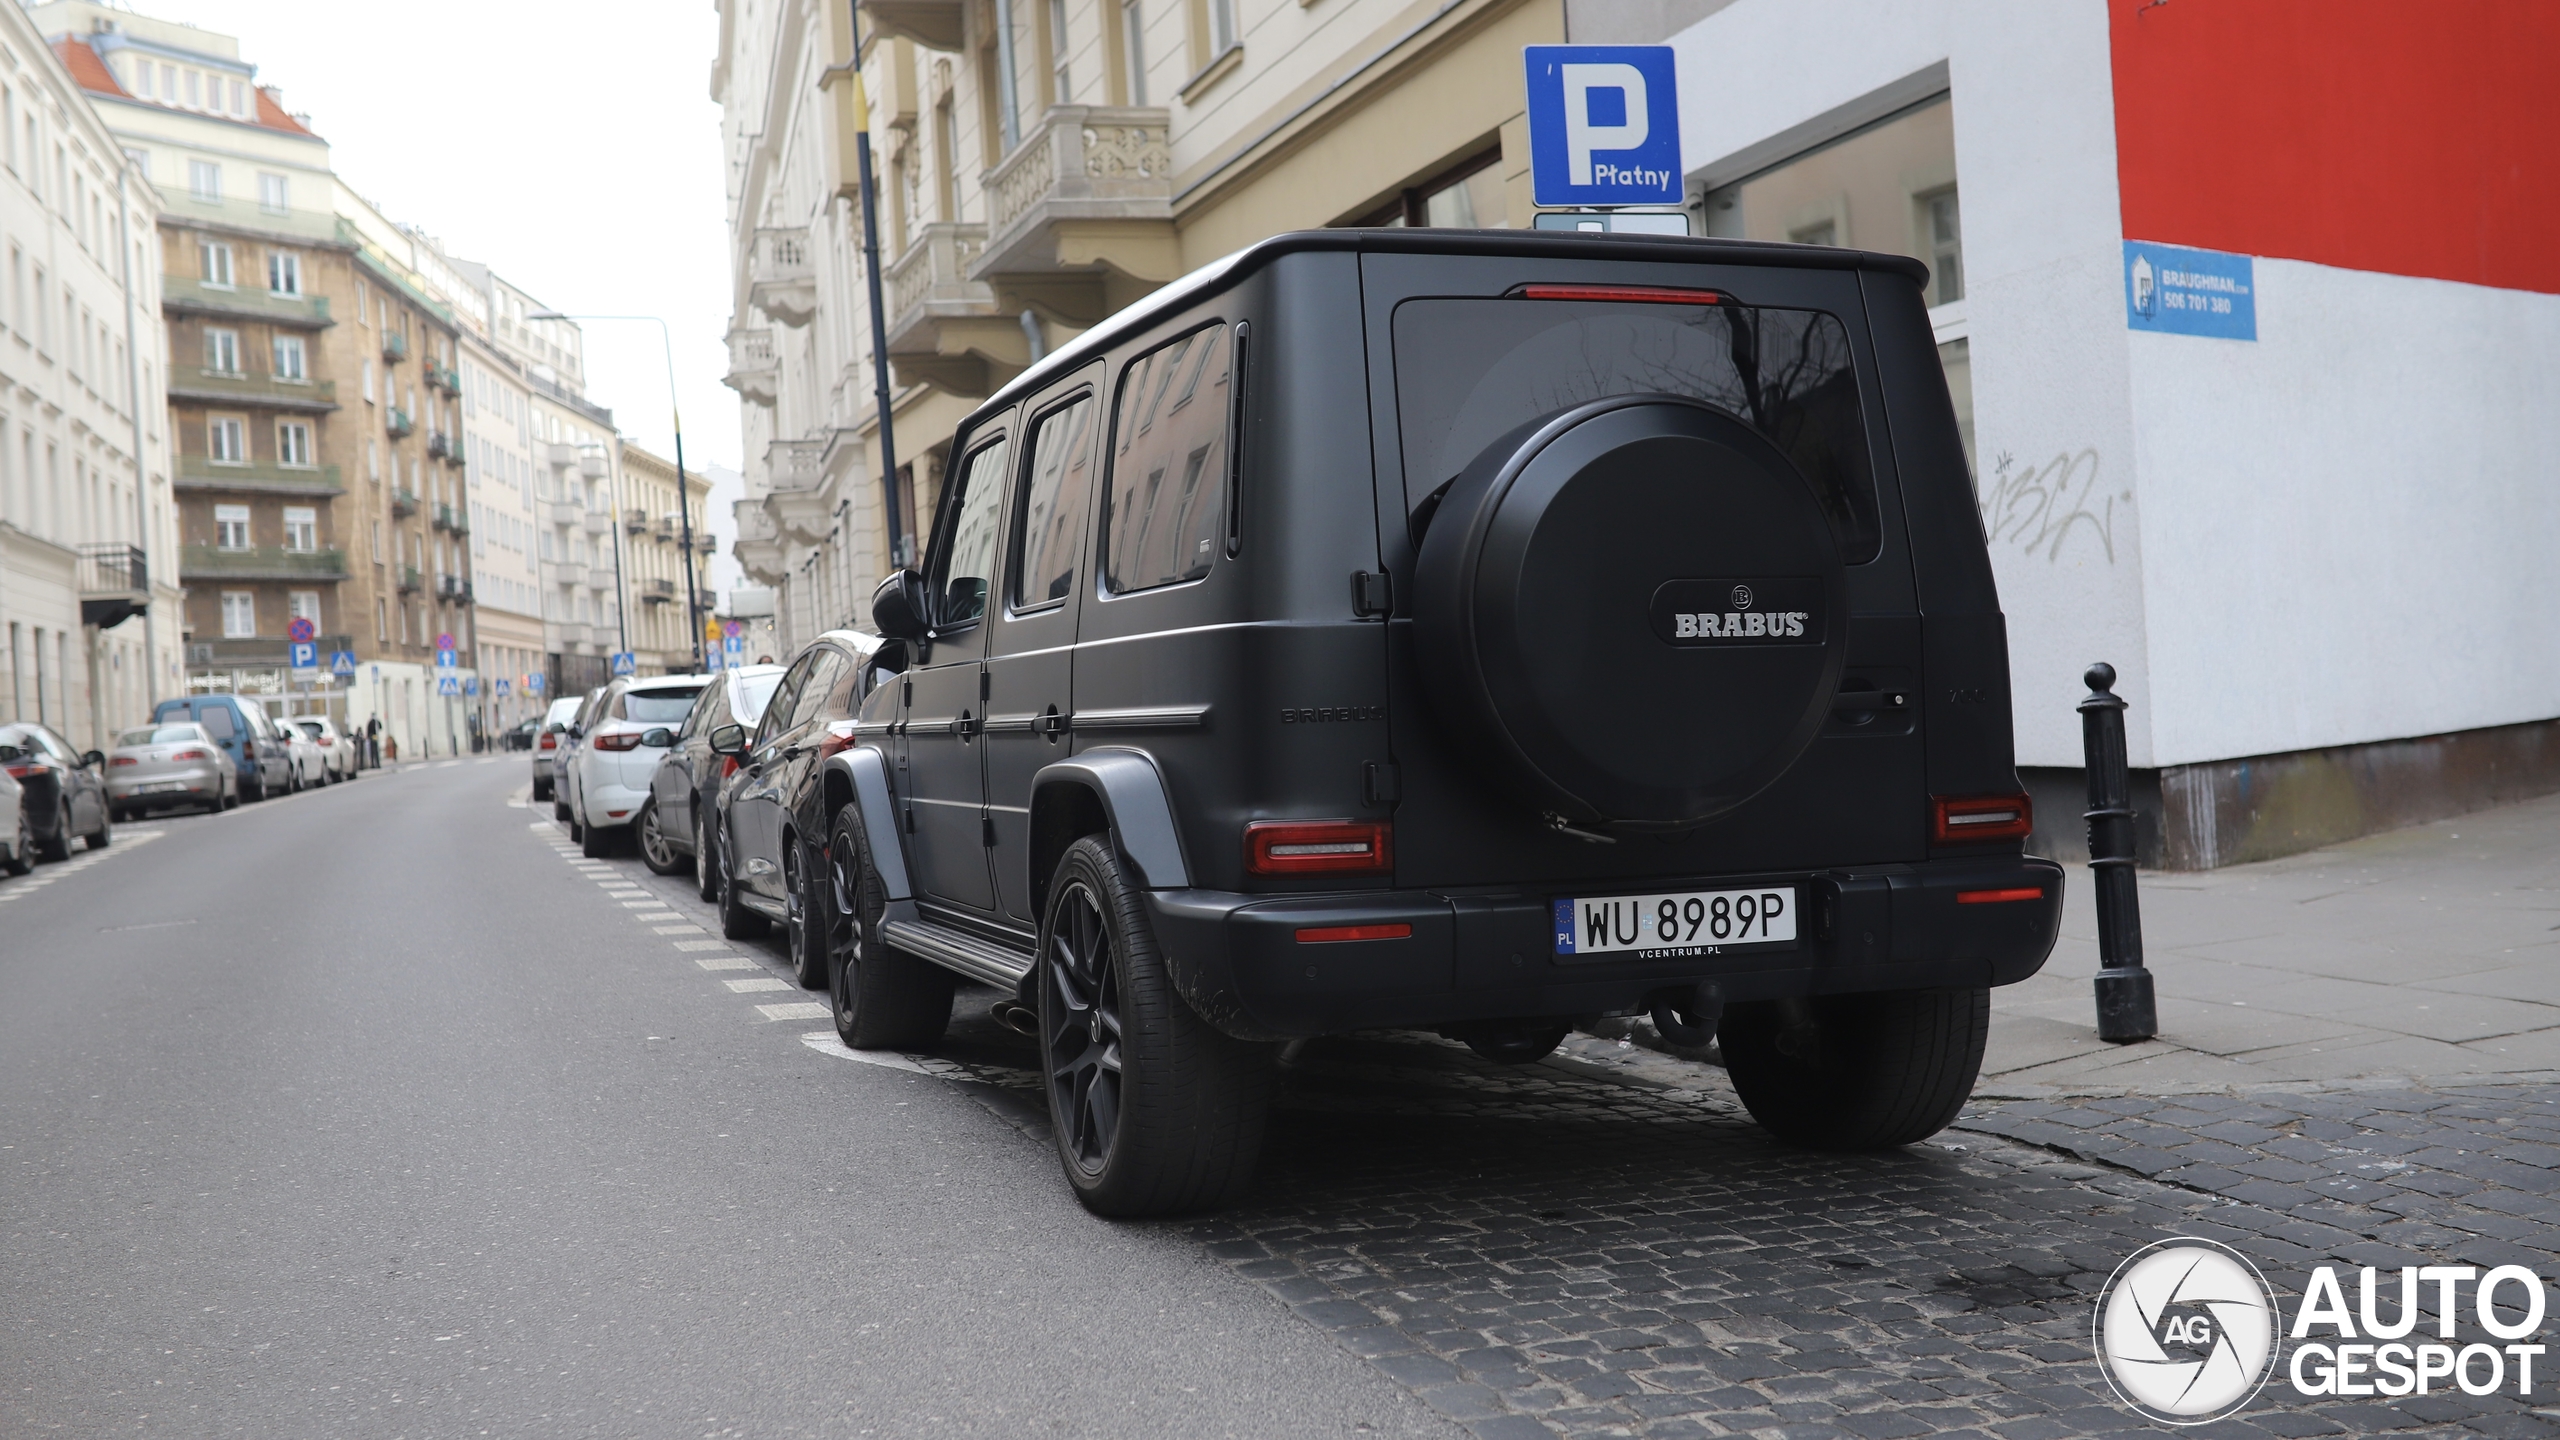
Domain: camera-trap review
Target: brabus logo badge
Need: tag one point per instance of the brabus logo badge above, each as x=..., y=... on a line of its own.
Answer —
x=1762, y=611
x=1741, y=597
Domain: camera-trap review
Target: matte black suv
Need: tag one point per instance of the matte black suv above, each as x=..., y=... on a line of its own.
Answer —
x=1472, y=631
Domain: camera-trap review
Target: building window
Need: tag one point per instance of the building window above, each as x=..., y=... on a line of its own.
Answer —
x=239, y=615
x=301, y=528
x=1062, y=88
x=222, y=351
x=288, y=357
x=213, y=259
x=284, y=272
x=1468, y=196
x=1942, y=241
x=303, y=605
x=226, y=440
x=368, y=382
x=204, y=178
x=377, y=542
x=272, y=192
x=381, y=618
x=293, y=443
x=231, y=527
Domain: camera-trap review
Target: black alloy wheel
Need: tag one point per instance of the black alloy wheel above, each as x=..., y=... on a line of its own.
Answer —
x=656, y=850
x=884, y=999
x=808, y=922
x=1080, y=1029
x=737, y=922
x=1154, y=1111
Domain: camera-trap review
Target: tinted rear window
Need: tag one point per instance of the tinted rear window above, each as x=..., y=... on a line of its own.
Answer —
x=1470, y=371
x=159, y=735
x=657, y=707
x=753, y=694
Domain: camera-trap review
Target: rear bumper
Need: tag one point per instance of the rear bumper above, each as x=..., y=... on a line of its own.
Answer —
x=607, y=803
x=1239, y=961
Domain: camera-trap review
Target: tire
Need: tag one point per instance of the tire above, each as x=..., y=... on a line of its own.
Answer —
x=808, y=926
x=1857, y=1072
x=59, y=847
x=594, y=841
x=656, y=851
x=22, y=855
x=252, y=794
x=230, y=801
x=105, y=834
x=737, y=922
x=706, y=862
x=884, y=999
x=1153, y=1111
x=541, y=790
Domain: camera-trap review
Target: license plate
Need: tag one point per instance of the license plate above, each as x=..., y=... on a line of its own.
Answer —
x=156, y=786
x=1666, y=927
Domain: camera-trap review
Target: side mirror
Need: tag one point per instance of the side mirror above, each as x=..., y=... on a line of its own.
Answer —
x=899, y=608
x=94, y=759
x=729, y=740
x=660, y=738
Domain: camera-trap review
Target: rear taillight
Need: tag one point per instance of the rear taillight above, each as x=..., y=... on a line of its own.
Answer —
x=191, y=755
x=326, y=740
x=1974, y=819
x=1310, y=847
x=839, y=736
x=2000, y=897
x=248, y=749
x=627, y=740
x=22, y=771
x=124, y=760
x=550, y=741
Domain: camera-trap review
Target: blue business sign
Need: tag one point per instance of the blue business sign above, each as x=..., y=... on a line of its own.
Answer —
x=2189, y=292
x=1604, y=125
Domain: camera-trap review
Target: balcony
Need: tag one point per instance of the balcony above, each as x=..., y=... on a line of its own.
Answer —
x=444, y=378
x=706, y=542
x=945, y=329
x=410, y=581
x=195, y=472
x=238, y=387
x=439, y=445
x=399, y=422
x=573, y=633
x=180, y=296
x=636, y=521
x=657, y=592
x=780, y=280
x=796, y=494
x=753, y=372
x=598, y=522
x=558, y=457
x=263, y=562
x=1080, y=215
x=934, y=24
x=404, y=503
x=569, y=572
x=115, y=584
x=759, y=543
x=592, y=464
x=665, y=528
x=395, y=347
x=566, y=512
x=452, y=518
x=453, y=590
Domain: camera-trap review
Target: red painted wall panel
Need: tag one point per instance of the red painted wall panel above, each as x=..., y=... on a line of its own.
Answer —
x=2412, y=139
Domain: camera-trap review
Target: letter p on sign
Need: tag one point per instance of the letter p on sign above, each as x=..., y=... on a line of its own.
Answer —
x=1604, y=125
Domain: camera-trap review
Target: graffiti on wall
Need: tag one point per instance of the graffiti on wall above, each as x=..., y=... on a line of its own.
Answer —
x=2039, y=508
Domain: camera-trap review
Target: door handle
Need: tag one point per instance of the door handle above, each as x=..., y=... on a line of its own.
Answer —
x=966, y=726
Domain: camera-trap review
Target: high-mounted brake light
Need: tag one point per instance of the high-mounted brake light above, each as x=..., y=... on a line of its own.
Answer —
x=1975, y=819
x=1329, y=934
x=1999, y=897
x=1625, y=294
x=1312, y=847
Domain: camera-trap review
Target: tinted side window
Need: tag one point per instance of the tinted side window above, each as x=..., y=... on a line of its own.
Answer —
x=1050, y=522
x=1168, y=470
x=713, y=699
x=777, y=711
x=967, y=565
x=821, y=682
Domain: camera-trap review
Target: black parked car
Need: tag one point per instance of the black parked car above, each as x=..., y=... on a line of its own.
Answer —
x=1614, y=633
x=770, y=859
x=680, y=821
x=64, y=793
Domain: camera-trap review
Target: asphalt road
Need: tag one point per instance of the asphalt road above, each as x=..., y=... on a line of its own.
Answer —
x=366, y=1113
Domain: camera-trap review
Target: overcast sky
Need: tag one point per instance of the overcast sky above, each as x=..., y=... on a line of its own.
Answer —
x=571, y=145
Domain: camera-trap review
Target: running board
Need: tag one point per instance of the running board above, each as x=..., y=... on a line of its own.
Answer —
x=984, y=961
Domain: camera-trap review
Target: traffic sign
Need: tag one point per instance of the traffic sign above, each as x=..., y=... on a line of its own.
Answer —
x=449, y=685
x=445, y=641
x=300, y=630
x=470, y=684
x=342, y=662
x=733, y=628
x=303, y=655
x=447, y=659
x=1604, y=125
x=498, y=685
x=735, y=644
x=624, y=662
x=533, y=684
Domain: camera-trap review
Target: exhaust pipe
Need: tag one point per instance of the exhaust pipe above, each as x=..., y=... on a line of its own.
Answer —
x=1687, y=1019
x=1017, y=1017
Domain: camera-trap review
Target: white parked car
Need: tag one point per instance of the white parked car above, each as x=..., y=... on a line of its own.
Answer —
x=337, y=752
x=546, y=741
x=605, y=779
x=310, y=766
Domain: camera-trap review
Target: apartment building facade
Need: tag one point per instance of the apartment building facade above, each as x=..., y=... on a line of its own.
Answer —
x=667, y=595
x=1040, y=164
x=89, y=607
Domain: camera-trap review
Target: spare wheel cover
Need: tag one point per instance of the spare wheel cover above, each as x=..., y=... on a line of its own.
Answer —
x=1632, y=613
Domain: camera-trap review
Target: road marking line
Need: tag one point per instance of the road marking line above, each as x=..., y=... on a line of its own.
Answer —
x=803, y=1010
x=702, y=944
x=677, y=930
x=645, y=905
x=448, y=764
x=726, y=962
x=761, y=982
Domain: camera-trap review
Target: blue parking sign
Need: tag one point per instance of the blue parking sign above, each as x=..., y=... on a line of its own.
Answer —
x=303, y=655
x=1604, y=125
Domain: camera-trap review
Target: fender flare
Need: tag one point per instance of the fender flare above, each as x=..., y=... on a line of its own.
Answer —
x=1134, y=801
x=864, y=769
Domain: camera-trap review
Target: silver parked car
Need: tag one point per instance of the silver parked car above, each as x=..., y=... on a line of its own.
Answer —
x=169, y=766
x=337, y=752
x=546, y=742
x=17, y=833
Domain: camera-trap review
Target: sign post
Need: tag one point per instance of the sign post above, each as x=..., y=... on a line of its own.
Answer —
x=1604, y=125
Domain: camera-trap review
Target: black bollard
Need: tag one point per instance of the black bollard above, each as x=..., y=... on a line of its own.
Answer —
x=2126, y=1012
